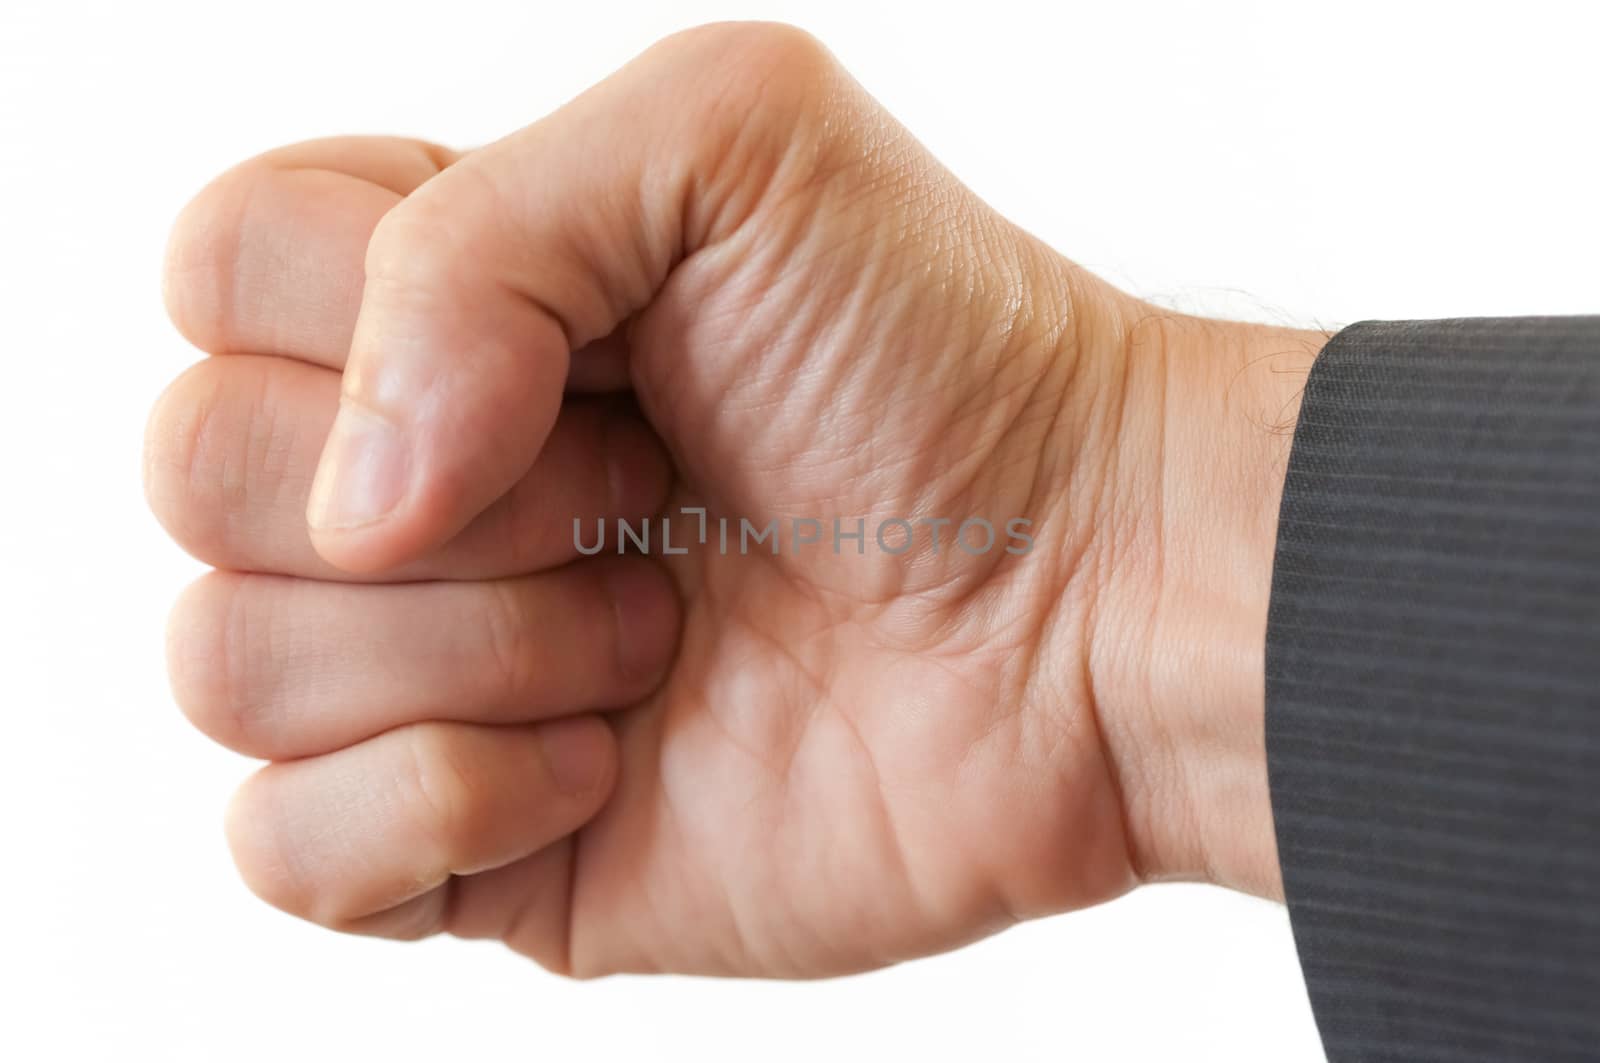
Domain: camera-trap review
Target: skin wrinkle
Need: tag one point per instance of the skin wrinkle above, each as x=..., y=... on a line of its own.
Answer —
x=1188, y=856
x=428, y=777
x=280, y=442
x=823, y=410
x=990, y=729
x=790, y=961
x=753, y=120
x=281, y=641
x=492, y=198
x=193, y=432
x=1161, y=584
x=507, y=633
x=1095, y=695
x=936, y=479
x=1030, y=505
x=816, y=678
x=672, y=809
x=219, y=288
x=885, y=817
x=286, y=268
x=818, y=682
x=234, y=653
x=435, y=159
x=243, y=298
x=1049, y=361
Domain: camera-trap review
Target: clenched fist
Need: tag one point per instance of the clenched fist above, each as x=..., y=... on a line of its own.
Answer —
x=720, y=293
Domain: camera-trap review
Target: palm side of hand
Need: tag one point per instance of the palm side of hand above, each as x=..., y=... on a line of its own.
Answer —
x=855, y=756
x=859, y=755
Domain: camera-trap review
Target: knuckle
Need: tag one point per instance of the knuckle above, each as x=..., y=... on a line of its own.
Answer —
x=198, y=648
x=766, y=62
x=449, y=801
x=507, y=642
x=396, y=242
x=772, y=113
x=199, y=272
x=263, y=853
x=213, y=444
x=182, y=441
x=212, y=636
x=416, y=246
x=791, y=56
x=786, y=81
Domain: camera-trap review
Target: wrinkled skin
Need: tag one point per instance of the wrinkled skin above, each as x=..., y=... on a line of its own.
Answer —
x=818, y=762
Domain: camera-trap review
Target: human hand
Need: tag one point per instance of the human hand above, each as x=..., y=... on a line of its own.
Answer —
x=809, y=763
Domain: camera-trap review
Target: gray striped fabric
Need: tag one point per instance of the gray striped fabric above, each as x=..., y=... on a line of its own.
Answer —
x=1433, y=690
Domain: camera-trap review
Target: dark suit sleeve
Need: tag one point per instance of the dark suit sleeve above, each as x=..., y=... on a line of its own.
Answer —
x=1433, y=690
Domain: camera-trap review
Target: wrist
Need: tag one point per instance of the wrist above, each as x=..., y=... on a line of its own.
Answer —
x=1178, y=651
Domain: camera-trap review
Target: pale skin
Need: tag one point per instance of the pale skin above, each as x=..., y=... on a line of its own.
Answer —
x=724, y=277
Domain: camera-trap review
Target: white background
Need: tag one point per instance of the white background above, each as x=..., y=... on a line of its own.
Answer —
x=1312, y=163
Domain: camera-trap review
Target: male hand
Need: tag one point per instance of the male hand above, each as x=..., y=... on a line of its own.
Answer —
x=723, y=279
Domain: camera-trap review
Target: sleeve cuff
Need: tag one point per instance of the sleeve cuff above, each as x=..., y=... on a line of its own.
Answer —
x=1433, y=689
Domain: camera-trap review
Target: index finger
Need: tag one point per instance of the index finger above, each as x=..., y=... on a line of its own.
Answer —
x=268, y=258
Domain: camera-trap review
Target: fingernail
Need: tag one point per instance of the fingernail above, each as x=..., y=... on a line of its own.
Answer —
x=646, y=611
x=363, y=471
x=575, y=753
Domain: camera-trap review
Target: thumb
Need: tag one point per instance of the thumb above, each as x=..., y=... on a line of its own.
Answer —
x=481, y=284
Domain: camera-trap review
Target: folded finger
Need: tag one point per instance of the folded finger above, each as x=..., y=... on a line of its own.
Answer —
x=233, y=445
x=270, y=257
x=281, y=668
x=267, y=259
x=368, y=838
